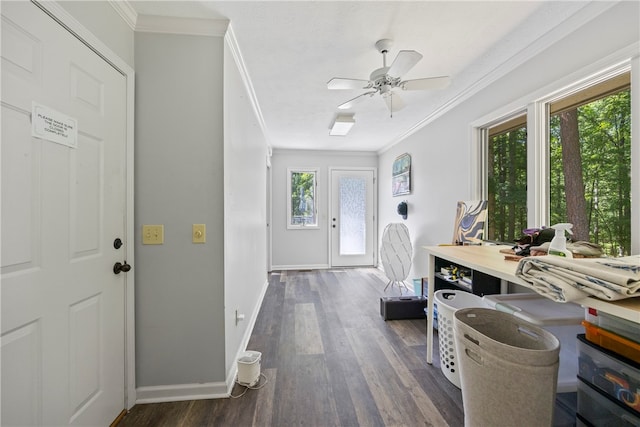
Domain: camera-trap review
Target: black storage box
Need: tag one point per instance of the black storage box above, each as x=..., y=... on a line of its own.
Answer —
x=397, y=308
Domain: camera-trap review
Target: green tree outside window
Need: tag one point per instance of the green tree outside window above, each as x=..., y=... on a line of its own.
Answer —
x=590, y=171
x=303, y=198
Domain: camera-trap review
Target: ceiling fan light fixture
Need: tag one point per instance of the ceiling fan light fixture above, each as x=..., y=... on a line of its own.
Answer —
x=342, y=125
x=383, y=80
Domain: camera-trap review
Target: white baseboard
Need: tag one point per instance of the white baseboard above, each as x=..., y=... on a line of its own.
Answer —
x=179, y=392
x=214, y=390
x=233, y=369
x=300, y=267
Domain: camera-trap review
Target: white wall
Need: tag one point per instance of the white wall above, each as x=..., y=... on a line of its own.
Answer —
x=307, y=248
x=200, y=158
x=180, y=331
x=439, y=178
x=245, y=171
x=441, y=150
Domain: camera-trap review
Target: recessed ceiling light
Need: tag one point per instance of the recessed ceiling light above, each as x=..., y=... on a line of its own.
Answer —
x=342, y=125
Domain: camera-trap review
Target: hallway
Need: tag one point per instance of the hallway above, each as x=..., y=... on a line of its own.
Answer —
x=330, y=360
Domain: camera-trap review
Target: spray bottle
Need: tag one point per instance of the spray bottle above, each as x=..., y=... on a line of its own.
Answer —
x=558, y=244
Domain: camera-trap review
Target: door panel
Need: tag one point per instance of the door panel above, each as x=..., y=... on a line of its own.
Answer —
x=62, y=306
x=85, y=197
x=352, y=218
x=22, y=383
x=84, y=354
x=21, y=238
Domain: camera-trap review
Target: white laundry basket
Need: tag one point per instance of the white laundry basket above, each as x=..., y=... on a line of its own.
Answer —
x=448, y=302
x=249, y=368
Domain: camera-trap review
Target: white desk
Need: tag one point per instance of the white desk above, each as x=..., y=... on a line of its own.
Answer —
x=489, y=260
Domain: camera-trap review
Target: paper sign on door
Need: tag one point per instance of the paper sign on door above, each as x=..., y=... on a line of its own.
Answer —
x=54, y=126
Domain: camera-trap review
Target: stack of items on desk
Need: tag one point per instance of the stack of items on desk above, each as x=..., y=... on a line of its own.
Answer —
x=608, y=371
x=457, y=274
x=537, y=241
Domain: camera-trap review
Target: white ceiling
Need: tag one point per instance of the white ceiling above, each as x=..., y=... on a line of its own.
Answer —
x=291, y=49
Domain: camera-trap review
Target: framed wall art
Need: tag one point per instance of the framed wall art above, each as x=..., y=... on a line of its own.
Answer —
x=401, y=175
x=469, y=224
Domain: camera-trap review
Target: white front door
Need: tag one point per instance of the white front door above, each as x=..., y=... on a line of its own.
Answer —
x=352, y=217
x=63, y=206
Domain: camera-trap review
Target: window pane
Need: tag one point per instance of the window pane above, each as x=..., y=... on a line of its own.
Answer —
x=353, y=208
x=507, y=184
x=590, y=171
x=303, y=186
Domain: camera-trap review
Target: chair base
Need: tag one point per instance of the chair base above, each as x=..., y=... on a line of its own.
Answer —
x=398, y=308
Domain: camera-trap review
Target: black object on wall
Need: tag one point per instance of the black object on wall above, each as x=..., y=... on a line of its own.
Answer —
x=402, y=209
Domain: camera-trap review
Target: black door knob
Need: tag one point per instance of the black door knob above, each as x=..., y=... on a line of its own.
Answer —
x=118, y=267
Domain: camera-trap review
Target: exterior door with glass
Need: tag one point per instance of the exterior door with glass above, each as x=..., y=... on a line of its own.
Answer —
x=352, y=218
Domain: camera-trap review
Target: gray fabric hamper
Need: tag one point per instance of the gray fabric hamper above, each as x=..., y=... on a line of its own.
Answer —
x=508, y=369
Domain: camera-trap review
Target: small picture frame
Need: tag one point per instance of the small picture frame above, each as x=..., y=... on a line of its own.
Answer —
x=401, y=175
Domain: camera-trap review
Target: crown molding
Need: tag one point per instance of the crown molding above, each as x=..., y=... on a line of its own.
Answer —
x=234, y=49
x=572, y=23
x=186, y=26
x=126, y=12
x=168, y=24
x=326, y=153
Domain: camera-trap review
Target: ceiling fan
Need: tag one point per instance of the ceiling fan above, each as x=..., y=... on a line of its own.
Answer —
x=383, y=80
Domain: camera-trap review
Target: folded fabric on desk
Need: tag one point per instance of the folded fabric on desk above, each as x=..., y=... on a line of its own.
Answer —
x=563, y=280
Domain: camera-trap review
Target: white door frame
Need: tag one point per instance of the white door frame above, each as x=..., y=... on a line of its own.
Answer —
x=374, y=208
x=269, y=182
x=59, y=14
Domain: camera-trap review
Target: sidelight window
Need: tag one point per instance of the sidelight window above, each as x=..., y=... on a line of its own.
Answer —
x=302, y=203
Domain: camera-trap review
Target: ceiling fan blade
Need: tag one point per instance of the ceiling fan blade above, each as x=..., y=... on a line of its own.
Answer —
x=405, y=61
x=426, y=84
x=340, y=83
x=355, y=100
x=393, y=101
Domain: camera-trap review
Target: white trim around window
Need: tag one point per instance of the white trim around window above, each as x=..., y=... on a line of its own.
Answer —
x=309, y=200
x=536, y=105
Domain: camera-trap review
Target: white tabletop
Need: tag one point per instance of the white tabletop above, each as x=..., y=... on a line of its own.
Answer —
x=488, y=259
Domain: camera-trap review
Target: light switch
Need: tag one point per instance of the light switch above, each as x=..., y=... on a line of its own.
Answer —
x=152, y=234
x=199, y=233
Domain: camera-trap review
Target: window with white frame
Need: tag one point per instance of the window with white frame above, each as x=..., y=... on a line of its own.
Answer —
x=590, y=164
x=583, y=142
x=506, y=166
x=301, y=201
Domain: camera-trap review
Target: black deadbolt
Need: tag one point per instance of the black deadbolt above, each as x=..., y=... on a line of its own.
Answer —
x=117, y=243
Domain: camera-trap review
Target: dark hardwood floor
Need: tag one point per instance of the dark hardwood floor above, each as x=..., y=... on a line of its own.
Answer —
x=331, y=360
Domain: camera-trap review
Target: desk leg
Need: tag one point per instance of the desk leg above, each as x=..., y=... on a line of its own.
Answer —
x=431, y=284
x=504, y=286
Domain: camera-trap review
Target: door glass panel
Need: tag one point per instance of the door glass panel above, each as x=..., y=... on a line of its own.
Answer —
x=353, y=204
